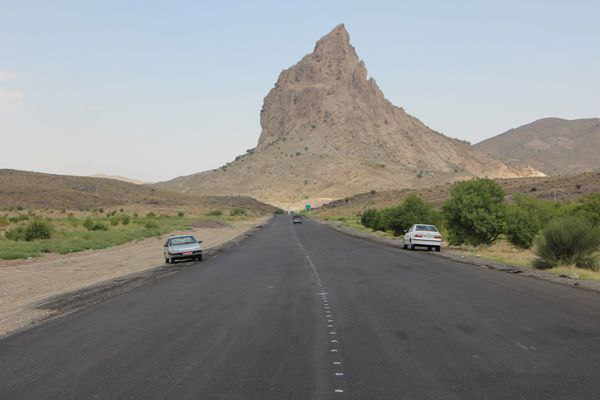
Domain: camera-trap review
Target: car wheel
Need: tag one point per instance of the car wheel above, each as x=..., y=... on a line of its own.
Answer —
x=167, y=260
x=199, y=258
x=404, y=246
x=410, y=246
x=438, y=248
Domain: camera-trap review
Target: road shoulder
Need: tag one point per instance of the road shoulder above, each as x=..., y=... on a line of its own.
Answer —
x=37, y=293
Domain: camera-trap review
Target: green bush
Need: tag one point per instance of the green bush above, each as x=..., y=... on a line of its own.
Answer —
x=214, y=213
x=474, y=212
x=151, y=225
x=369, y=218
x=413, y=210
x=88, y=223
x=125, y=219
x=4, y=222
x=150, y=215
x=521, y=226
x=180, y=214
x=98, y=226
x=37, y=229
x=589, y=208
x=115, y=220
x=17, y=233
x=237, y=212
x=91, y=225
x=569, y=240
x=18, y=218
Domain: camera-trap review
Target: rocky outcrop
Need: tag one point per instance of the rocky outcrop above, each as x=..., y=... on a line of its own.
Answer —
x=329, y=132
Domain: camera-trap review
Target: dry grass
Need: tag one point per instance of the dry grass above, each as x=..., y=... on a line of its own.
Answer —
x=502, y=251
x=576, y=273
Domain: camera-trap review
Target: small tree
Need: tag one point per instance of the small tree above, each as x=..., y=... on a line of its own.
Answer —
x=521, y=226
x=589, y=208
x=413, y=210
x=475, y=212
x=368, y=218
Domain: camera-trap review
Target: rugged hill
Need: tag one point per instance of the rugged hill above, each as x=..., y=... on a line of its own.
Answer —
x=328, y=132
x=552, y=145
x=37, y=190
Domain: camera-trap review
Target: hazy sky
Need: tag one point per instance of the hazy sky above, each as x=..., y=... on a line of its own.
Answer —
x=154, y=90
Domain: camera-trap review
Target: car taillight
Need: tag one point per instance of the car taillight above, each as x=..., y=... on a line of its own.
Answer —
x=418, y=235
x=437, y=237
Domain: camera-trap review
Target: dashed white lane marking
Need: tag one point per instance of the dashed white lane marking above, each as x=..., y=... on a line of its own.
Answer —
x=326, y=307
x=522, y=346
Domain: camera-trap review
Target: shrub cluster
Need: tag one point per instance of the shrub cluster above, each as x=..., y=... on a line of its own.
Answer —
x=398, y=219
x=151, y=225
x=237, y=212
x=215, y=213
x=92, y=225
x=119, y=218
x=34, y=230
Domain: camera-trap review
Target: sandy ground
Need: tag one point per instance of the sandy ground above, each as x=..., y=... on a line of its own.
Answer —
x=26, y=283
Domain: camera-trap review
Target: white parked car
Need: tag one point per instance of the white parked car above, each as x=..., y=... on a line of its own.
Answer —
x=182, y=247
x=423, y=235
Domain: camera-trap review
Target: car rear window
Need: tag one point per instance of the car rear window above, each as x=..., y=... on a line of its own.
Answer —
x=426, y=228
x=182, y=240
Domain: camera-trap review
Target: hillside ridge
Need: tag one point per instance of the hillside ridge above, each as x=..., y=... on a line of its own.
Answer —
x=552, y=145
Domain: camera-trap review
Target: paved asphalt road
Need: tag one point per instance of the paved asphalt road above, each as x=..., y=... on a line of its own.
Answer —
x=303, y=312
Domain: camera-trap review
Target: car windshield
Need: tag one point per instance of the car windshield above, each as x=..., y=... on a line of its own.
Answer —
x=182, y=240
x=426, y=228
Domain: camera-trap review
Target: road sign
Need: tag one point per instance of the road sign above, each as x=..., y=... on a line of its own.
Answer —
x=307, y=207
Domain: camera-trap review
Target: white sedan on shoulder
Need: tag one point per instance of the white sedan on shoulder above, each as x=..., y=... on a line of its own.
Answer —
x=423, y=235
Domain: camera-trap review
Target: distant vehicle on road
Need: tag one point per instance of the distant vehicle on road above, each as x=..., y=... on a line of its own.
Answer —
x=424, y=236
x=296, y=219
x=182, y=247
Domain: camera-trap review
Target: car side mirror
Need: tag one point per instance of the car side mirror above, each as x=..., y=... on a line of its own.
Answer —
x=199, y=241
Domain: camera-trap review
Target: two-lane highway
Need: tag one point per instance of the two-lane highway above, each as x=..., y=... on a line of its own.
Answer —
x=303, y=312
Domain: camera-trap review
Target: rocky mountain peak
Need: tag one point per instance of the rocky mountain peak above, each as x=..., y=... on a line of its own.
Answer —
x=328, y=131
x=335, y=44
